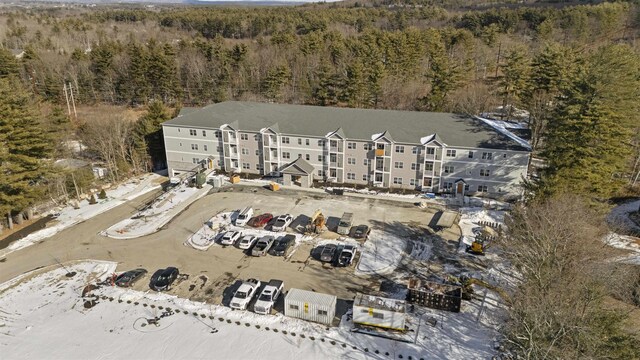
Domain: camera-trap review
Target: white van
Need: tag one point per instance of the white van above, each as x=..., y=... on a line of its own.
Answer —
x=243, y=216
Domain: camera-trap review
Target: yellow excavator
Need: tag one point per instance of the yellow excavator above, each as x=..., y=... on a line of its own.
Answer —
x=477, y=247
x=317, y=223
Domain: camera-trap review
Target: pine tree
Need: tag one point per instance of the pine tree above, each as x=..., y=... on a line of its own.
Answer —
x=444, y=77
x=514, y=79
x=24, y=148
x=589, y=139
x=274, y=81
x=148, y=138
x=8, y=64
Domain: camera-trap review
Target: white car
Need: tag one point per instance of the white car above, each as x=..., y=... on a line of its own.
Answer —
x=247, y=291
x=243, y=216
x=268, y=297
x=247, y=241
x=230, y=237
x=281, y=222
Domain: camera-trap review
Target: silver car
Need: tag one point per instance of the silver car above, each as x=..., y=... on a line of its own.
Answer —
x=262, y=246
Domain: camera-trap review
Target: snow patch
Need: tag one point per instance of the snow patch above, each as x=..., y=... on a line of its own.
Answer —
x=499, y=126
x=381, y=253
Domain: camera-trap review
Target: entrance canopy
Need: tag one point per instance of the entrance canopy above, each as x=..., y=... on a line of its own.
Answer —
x=299, y=167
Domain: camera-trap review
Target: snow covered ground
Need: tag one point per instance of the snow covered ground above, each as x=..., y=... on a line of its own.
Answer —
x=470, y=219
x=157, y=215
x=625, y=242
x=381, y=254
x=69, y=216
x=43, y=317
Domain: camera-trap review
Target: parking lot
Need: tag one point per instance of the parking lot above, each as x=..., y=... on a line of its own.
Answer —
x=213, y=273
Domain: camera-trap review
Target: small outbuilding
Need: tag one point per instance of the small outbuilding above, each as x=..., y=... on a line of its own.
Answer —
x=310, y=305
x=379, y=312
x=299, y=172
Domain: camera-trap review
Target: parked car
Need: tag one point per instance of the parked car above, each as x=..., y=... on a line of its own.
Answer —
x=282, y=245
x=268, y=297
x=165, y=279
x=360, y=231
x=262, y=246
x=243, y=216
x=328, y=252
x=282, y=222
x=260, y=220
x=347, y=255
x=247, y=241
x=247, y=291
x=230, y=237
x=128, y=278
x=345, y=224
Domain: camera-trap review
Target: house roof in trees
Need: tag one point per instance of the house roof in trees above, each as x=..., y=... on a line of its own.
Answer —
x=405, y=127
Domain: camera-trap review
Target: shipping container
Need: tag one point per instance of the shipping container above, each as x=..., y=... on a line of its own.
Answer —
x=380, y=312
x=311, y=306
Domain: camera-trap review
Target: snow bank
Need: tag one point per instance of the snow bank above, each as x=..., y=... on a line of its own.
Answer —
x=381, y=254
x=470, y=219
x=69, y=216
x=157, y=215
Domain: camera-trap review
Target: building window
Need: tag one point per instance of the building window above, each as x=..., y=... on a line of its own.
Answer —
x=428, y=166
x=323, y=312
x=483, y=188
x=368, y=146
x=299, y=141
x=397, y=180
x=412, y=182
x=415, y=150
x=365, y=177
x=466, y=187
x=367, y=162
x=293, y=307
x=320, y=142
x=204, y=133
x=219, y=149
x=351, y=161
x=257, y=152
x=377, y=315
x=484, y=172
x=448, y=169
x=193, y=132
x=216, y=134
x=431, y=151
x=285, y=140
x=194, y=146
x=351, y=176
x=415, y=166
x=400, y=149
x=180, y=144
x=259, y=167
x=451, y=153
x=244, y=136
x=195, y=160
x=299, y=156
x=320, y=172
x=246, y=166
x=306, y=142
x=448, y=185
x=286, y=155
x=307, y=157
x=470, y=154
x=351, y=145
x=205, y=147
x=245, y=151
x=398, y=164
x=487, y=156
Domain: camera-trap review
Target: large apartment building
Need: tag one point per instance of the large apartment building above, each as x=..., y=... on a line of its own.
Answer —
x=432, y=152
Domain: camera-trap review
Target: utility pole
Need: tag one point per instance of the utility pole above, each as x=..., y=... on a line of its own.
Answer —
x=498, y=58
x=66, y=96
x=75, y=114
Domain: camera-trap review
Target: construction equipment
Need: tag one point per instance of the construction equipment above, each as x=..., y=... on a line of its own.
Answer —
x=235, y=179
x=477, y=247
x=316, y=224
x=274, y=186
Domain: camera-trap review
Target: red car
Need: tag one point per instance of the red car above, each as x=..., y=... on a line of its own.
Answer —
x=260, y=220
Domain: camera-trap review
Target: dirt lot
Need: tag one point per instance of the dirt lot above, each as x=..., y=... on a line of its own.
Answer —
x=213, y=274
